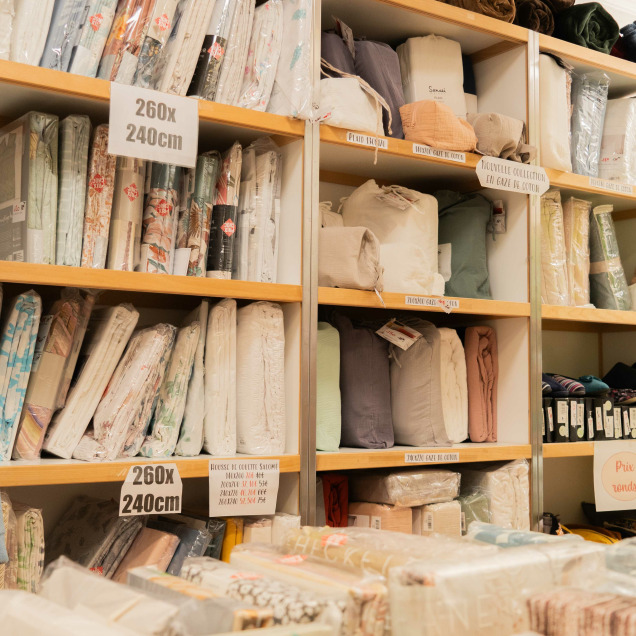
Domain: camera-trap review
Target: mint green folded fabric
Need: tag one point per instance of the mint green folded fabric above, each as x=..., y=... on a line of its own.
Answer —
x=328, y=388
x=588, y=25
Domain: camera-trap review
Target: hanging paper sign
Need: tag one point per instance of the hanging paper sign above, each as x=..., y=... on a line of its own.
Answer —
x=449, y=155
x=367, y=140
x=447, y=304
x=151, y=125
x=501, y=174
x=151, y=489
x=431, y=458
x=243, y=487
x=611, y=186
x=615, y=475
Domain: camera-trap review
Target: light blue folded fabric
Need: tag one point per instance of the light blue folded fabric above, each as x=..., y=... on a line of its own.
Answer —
x=64, y=32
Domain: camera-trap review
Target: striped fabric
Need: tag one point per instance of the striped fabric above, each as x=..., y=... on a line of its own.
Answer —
x=571, y=386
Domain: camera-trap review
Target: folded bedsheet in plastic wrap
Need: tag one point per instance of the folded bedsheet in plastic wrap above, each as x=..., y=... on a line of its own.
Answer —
x=192, y=541
x=107, y=336
x=509, y=538
x=29, y=29
x=10, y=572
x=407, y=487
x=362, y=514
x=220, y=380
x=618, y=146
x=64, y=31
x=554, y=269
x=507, y=487
x=441, y=518
x=260, y=379
x=17, y=346
x=439, y=597
x=608, y=285
x=92, y=533
x=87, y=50
x=405, y=222
x=75, y=133
x=30, y=536
x=328, y=408
x=362, y=599
x=124, y=412
x=576, y=224
x=99, y=200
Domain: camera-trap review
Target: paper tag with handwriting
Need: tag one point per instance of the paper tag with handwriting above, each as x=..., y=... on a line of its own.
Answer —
x=449, y=155
x=611, y=186
x=447, y=304
x=367, y=140
x=431, y=458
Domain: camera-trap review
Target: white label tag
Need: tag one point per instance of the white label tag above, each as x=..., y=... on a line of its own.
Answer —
x=497, y=224
x=618, y=421
x=148, y=125
x=398, y=334
x=543, y=422
x=444, y=252
x=611, y=186
x=599, y=418
x=609, y=426
x=562, y=412
x=450, y=155
x=426, y=301
x=376, y=523
x=590, y=427
x=551, y=420
x=573, y=415
x=511, y=176
x=19, y=212
x=431, y=458
x=626, y=426
x=151, y=489
x=580, y=420
x=243, y=487
x=632, y=417
x=429, y=526
x=367, y=140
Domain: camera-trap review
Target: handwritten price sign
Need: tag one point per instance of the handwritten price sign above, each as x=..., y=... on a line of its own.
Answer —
x=615, y=475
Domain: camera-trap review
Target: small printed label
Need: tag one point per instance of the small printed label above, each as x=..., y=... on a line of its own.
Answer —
x=151, y=489
x=501, y=174
x=599, y=418
x=580, y=420
x=543, y=422
x=632, y=417
x=19, y=212
x=626, y=426
x=446, y=304
x=398, y=334
x=590, y=427
x=609, y=426
x=428, y=522
x=562, y=412
x=574, y=422
x=346, y=34
x=497, y=224
x=367, y=140
x=450, y=155
x=430, y=458
x=550, y=420
x=618, y=422
x=611, y=186
x=376, y=523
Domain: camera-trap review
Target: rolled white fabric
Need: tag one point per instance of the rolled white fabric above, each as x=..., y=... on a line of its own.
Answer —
x=30, y=28
x=109, y=332
x=220, y=380
x=260, y=379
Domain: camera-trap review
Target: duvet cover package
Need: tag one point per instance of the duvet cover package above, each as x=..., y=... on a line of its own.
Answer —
x=618, y=146
x=576, y=223
x=28, y=150
x=554, y=268
x=64, y=32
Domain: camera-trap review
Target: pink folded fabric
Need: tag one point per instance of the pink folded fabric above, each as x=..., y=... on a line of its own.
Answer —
x=152, y=548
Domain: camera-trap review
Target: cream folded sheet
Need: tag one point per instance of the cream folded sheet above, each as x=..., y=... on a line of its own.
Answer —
x=454, y=385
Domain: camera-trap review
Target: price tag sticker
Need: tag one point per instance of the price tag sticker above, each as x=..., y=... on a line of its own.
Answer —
x=611, y=186
x=501, y=174
x=367, y=140
x=243, y=487
x=148, y=125
x=151, y=489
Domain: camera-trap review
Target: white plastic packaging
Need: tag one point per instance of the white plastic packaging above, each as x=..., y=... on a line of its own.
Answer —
x=576, y=223
x=554, y=279
x=29, y=30
x=618, y=147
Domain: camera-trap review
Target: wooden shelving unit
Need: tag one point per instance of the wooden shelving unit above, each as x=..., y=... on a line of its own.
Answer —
x=577, y=315
x=569, y=449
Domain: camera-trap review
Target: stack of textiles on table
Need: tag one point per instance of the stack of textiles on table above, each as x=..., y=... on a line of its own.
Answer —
x=220, y=219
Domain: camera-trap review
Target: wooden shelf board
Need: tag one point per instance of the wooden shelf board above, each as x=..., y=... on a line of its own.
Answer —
x=587, y=315
x=84, y=277
x=358, y=298
x=569, y=449
x=359, y=458
x=46, y=472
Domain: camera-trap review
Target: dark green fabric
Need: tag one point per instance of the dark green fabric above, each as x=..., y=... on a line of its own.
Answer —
x=462, y=223
x=588, y=25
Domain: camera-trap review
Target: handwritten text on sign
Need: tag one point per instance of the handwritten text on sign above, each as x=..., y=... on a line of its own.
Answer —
x=151, y=489
x=243, y=487
x=367, y=140
x=430, y=458
x=611, y=186
x=148, y=124
x=450, y=155
x=615, y=475
x=426, y=301
x=501, y=174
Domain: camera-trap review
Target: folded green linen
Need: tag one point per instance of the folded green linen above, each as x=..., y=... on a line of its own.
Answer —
x=588, y=25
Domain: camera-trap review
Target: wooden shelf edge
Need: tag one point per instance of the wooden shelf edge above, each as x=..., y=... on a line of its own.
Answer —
x=588, y=315
x=569, y=449
x=53, y=471
x=84, y=277
x=354, y=459
x=359, y=298
x=571, y=181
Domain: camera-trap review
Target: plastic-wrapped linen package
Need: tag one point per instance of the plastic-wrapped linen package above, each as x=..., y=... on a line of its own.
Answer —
x=171, y=401
x=576, y=223
x=124, y=412
x=87, y=52
x=159, y=29
x=17, y=347
x=621, y=557
x=431, y=68
x=206, y=75
x=260, y=379
x=281, y=524
x=555, y=83
x=454, y=387
x=362, y=514
x=174, y=70
x=64, y=32
x=405, y=222
x=10, y=574
x=474, y=508
x=99, y=200
x=554, y=279
x=30, y=534
x=7, y=14
x=107, y=336
x=263, y=56
x=589, y=101
x=291, y=93
x=618, y=146
x=509, y=538
x=220, y=380
x=29, y=30
x=441, y=518
x=608, y=285
x=193, y=542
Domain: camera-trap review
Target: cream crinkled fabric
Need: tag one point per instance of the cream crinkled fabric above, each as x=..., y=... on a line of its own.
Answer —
x=576, y=224
x=554, y=279
x=29, y=30
x=7, y=15
x=454, y=386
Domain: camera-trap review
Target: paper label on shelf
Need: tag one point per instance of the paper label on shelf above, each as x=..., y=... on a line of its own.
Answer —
x=151, y=489
x=431, y=458
x=367, y=140
x=376, y=523
x=446, y=304
x=562, y=412
x=615, y=475
x=243, y=487
x=611, y=186
x=429, y=525
x=450, y=155
x=501, y=174
x=149, y=125
x=398, y=334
